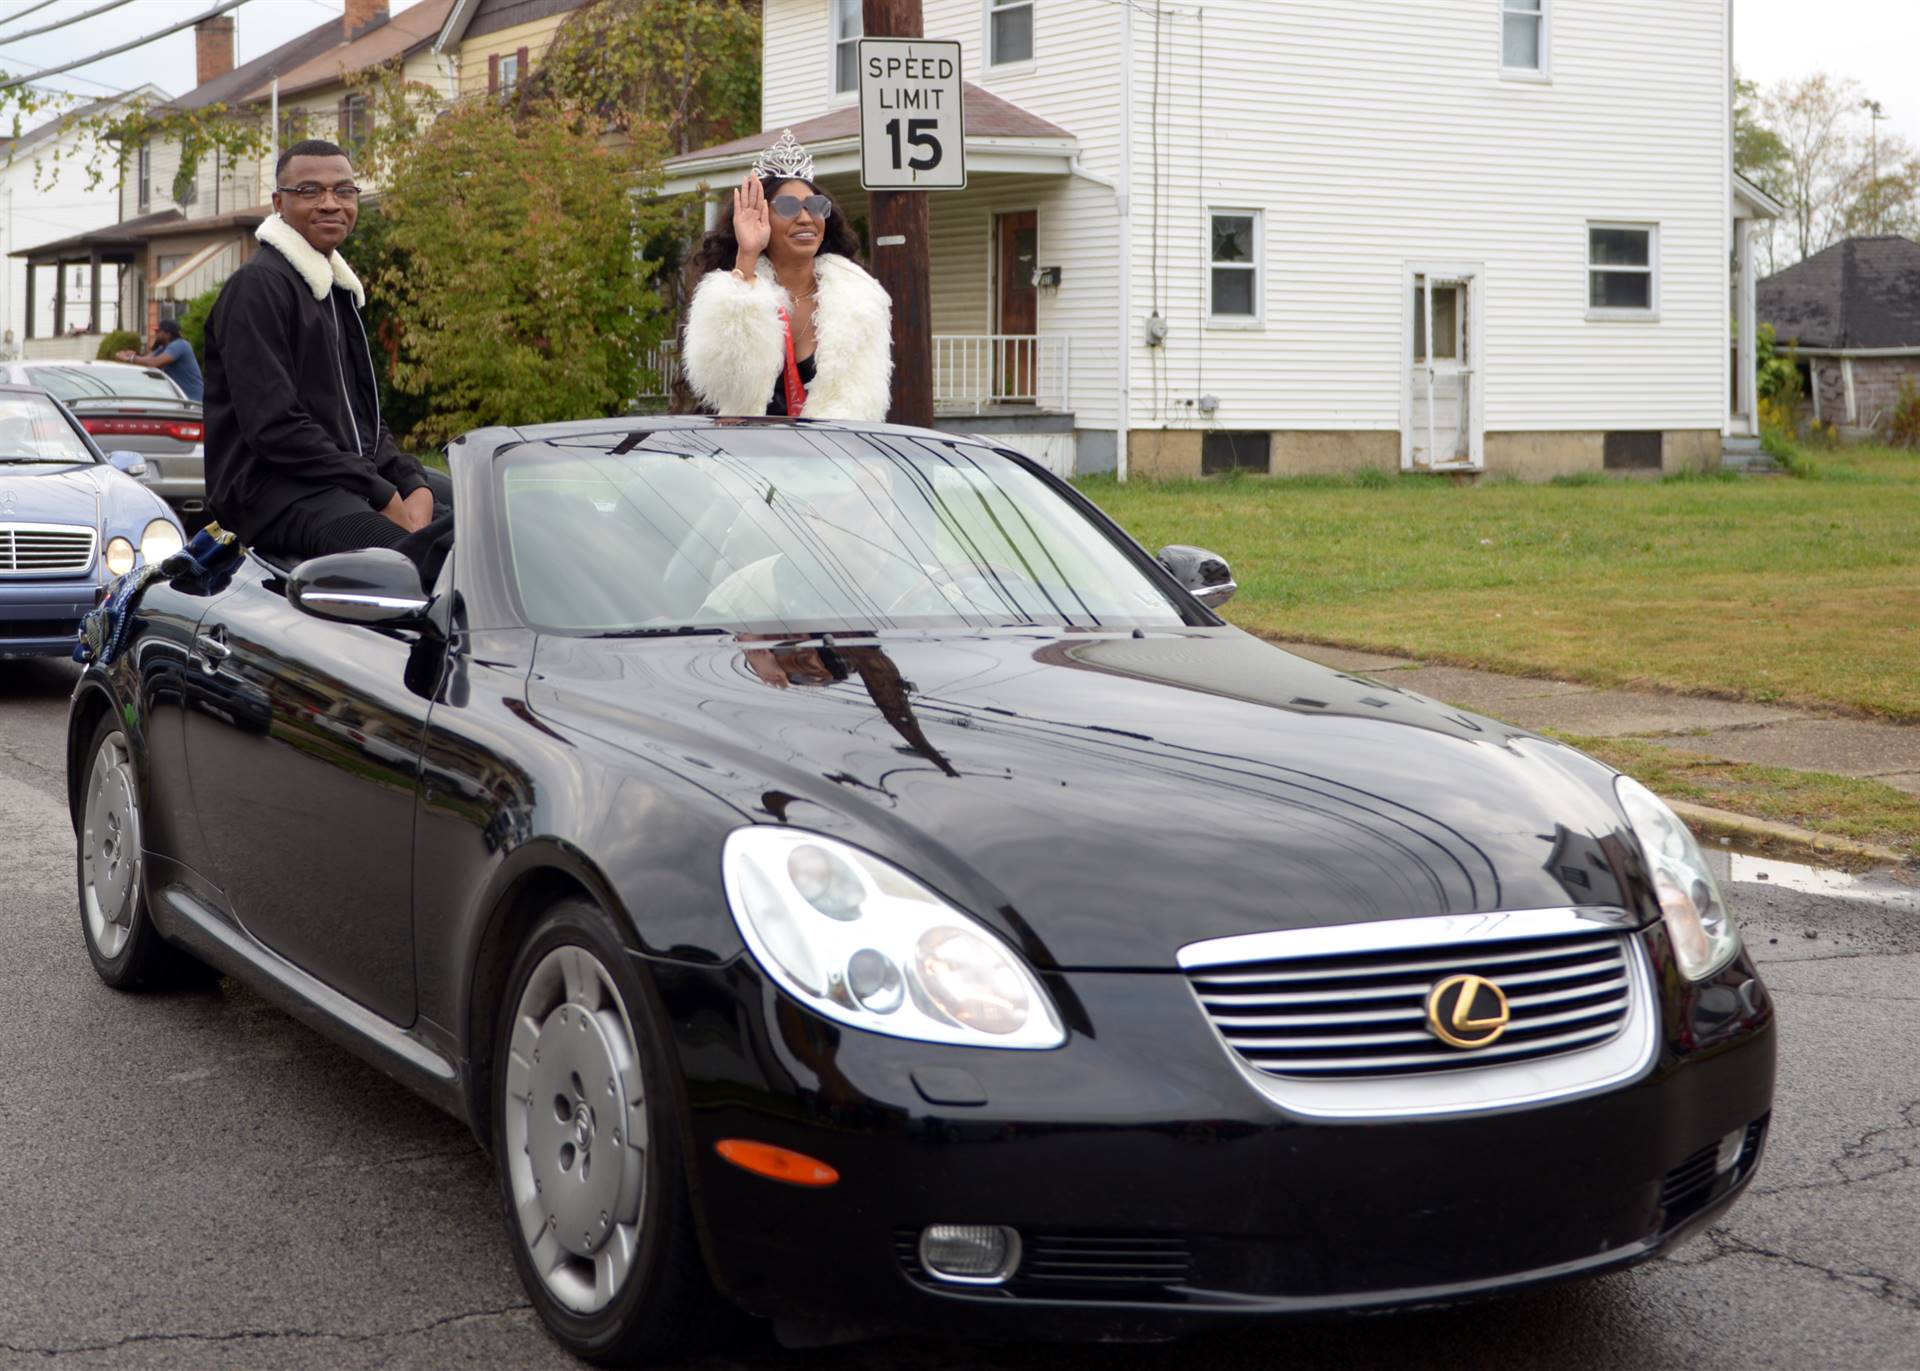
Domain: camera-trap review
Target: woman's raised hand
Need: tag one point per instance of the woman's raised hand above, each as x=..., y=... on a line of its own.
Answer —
x=752, y=227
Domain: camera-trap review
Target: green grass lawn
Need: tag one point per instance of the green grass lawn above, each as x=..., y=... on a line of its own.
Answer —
x=1802, y=590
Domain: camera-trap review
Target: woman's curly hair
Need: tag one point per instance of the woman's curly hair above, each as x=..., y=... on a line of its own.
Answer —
x=719, y=248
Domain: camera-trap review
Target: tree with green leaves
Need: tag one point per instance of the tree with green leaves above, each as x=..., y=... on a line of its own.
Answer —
x=686, y=70
x=516, y=282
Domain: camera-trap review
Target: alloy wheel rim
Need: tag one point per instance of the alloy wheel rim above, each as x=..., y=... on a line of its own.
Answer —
x=576, y=1140
x=110, y=850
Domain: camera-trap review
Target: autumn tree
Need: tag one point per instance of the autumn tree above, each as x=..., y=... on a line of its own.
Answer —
x=517, y=286
x=1836, y=177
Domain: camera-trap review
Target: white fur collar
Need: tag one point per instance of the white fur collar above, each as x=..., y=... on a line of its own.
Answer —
x=321, y=274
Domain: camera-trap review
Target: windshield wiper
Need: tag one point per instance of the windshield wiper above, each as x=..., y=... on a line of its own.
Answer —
x=674, y=631
x=35, y=461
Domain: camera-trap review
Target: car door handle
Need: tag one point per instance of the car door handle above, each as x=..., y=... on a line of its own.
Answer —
x=211, y=647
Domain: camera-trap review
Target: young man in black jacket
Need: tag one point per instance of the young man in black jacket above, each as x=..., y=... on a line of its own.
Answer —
x=298, y=458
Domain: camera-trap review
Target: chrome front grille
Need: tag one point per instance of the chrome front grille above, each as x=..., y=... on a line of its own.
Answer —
x=1336, y=1020
x=45, y=549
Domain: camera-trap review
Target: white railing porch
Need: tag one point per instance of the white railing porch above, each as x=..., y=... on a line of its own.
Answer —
x=977, y=372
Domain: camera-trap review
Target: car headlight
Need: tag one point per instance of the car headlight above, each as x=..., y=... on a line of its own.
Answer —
x=858, y=940
x=1696, y=914
x=119, y=556
x=159, y=540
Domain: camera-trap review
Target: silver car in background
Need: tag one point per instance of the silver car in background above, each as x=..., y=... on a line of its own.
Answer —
x=134, y=409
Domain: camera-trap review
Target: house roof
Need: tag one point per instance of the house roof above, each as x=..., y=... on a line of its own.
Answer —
x=40, y=133
x=121, y=235
x=250, y=218
x=986, y=114
x=401, y=36
x=477, y=18
x=1860, y=294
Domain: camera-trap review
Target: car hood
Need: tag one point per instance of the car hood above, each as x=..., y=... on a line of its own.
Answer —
x=1105, y=800
x=50, y=493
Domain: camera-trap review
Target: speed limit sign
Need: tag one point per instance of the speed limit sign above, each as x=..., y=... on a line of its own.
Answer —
x=912, y=127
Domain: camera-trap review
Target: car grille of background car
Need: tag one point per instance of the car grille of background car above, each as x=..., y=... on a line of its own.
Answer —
x=1365, y=1014
x=43, y=549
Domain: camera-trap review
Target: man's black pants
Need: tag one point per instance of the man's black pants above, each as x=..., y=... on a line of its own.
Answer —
x=334, y=521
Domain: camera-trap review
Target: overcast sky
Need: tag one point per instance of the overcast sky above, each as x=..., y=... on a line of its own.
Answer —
x=1876, y=42
x=1873, y=41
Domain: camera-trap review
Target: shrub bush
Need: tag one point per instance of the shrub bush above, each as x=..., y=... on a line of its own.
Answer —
x=120, y=340
x=1903, y=425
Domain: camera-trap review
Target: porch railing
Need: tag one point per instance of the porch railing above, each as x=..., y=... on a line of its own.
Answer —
x=976, y=372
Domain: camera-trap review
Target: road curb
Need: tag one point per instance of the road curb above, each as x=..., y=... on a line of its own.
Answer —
x=1724, y=823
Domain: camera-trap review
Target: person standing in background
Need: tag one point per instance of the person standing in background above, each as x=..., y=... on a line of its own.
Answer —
x=174, y=353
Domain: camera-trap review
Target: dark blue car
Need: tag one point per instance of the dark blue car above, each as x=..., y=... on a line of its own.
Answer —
x=71, y=519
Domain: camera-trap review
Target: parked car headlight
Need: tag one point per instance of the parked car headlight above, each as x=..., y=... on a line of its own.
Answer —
x=860, y=941
x=1696, y=914
x=120, y=556
x=159, y=540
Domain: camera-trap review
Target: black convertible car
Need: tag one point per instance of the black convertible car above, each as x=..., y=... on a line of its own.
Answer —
x=841, y=876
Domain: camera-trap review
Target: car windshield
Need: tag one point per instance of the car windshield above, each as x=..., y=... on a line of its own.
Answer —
x=805, y=533
x=104, y=383
x=32, y=429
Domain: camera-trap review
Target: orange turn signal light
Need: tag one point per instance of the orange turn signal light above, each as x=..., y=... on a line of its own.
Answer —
x=776, y=1163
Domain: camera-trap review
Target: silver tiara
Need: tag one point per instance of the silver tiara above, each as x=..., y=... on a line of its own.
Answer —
x=786, y=160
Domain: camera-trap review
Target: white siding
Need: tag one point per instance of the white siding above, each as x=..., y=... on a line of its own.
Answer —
x=1072, y=82
x=59, y=206
x=1374, y=133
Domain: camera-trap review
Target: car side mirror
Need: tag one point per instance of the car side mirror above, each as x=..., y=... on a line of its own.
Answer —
x=373, y=586
x=130, y=462
x=1205, y=575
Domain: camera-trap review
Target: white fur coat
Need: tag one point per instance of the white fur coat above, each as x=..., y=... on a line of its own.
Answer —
x=321, y=274
x=734, y=347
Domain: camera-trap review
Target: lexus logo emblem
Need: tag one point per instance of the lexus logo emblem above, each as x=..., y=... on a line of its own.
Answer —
x=1467, y=1012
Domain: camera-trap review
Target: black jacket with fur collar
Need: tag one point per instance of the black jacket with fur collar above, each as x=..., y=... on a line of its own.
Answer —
x=292, y=408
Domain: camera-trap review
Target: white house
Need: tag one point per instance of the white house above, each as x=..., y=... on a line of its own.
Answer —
x=1249, y=216
x=44, y=194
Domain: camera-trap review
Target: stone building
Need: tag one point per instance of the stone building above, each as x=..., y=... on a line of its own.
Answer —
x=1853, y=314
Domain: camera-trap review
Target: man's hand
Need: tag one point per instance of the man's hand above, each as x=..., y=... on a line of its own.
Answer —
x=413, y=513
x=126, y=354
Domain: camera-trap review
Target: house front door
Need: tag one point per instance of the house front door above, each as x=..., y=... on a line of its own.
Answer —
x=1440, y=418
x=1016, y=306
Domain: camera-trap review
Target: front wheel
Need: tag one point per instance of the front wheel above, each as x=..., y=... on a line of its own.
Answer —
x=591, y=1174
x=110, y=869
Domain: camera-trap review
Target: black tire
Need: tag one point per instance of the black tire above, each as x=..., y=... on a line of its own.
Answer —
x=664, y=1307
x=125, y=948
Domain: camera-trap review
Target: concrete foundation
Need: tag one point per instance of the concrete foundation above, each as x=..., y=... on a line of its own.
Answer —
x=1174, y=454
x=1320, y=453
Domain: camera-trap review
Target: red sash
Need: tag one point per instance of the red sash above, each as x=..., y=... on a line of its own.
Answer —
x=796, y=393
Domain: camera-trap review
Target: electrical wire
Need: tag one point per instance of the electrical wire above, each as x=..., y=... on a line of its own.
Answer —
x=31, y=76
x=22, y=14
x=61, y=23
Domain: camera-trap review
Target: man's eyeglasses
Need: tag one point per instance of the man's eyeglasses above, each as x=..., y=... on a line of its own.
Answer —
x=787, y=206
x=307, y=193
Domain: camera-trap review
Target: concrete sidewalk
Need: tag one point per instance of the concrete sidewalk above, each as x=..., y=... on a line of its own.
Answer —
x=1732, y=729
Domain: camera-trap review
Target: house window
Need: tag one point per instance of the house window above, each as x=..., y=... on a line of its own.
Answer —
x=1622, y=270
x=846, y=46
x=509, y=73
x=1010, y=27
x=1234, y=254
x=356, y=123
x=143, y=179
x=1523, y=37
x=1446, y=324
x=1223, y=451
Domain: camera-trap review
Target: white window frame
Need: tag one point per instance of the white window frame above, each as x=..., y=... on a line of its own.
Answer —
x=509, y=79
x=1258, y=319
x=835, y=42
x=993, y=7
x=1651, y=314
x=1544, y=72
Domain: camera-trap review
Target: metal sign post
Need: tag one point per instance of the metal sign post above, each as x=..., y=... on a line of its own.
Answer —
x=907, y=90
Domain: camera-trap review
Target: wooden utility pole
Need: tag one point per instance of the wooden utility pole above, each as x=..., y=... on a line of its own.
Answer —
x=898, y=224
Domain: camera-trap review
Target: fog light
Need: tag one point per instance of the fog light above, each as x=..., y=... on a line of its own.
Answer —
x=1731, y=1147
x=970, y=1253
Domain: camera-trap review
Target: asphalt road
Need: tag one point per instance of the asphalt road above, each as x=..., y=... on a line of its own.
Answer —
x=195, y=1181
